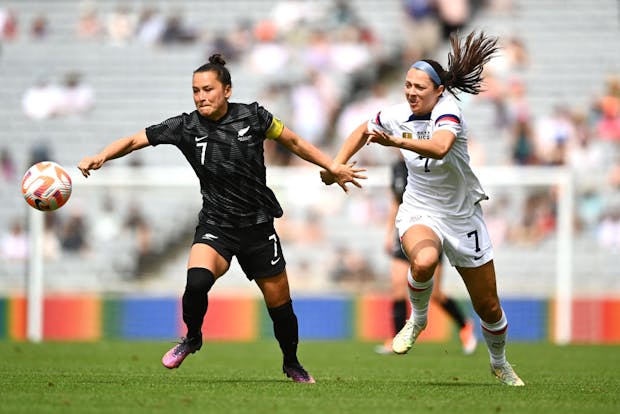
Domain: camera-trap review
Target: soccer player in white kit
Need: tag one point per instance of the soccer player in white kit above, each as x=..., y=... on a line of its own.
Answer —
x=440, y=209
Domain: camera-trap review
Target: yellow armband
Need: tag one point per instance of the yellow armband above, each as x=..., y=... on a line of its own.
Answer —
x=275, y=129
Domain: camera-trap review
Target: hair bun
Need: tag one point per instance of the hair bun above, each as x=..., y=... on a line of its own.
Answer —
x=217, y=59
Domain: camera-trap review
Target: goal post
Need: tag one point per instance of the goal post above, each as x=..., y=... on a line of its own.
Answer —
x=307, y=183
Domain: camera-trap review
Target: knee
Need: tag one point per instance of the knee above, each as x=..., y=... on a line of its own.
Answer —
x=489, y=310
x=199, y=279
x=423, y=267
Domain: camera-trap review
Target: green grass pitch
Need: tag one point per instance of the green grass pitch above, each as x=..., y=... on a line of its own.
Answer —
x=127, y=377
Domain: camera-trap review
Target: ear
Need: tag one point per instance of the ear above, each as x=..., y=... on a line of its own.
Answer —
x=440, y=89
x=228, y=91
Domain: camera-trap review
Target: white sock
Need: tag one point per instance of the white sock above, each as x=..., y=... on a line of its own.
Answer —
x=419, y=296
x=495, y=336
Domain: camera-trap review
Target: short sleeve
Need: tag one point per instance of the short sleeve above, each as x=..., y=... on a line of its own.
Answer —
x=447, y=117
x=166, y=132
x=378, y=124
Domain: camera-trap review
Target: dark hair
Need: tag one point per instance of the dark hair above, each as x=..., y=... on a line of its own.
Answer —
x=466, y=62
x=217, y=64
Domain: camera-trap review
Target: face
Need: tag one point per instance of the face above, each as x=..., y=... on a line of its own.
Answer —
x=420, y=91
x=210, y=95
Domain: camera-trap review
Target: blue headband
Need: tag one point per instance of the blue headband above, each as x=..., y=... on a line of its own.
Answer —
x=428, y=69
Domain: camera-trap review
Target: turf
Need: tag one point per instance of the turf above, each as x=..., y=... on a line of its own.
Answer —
x=127, y=377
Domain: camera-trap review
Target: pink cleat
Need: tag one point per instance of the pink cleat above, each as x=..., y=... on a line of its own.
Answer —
x=297, y=373
x=175, y=356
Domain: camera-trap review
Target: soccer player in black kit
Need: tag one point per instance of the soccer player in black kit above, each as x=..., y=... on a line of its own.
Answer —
x=223, y=142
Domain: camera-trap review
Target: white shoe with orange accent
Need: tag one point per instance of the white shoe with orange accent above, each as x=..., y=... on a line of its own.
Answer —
x=468, y=338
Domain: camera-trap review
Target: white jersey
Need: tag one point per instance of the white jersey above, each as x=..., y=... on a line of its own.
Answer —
x=440, y=188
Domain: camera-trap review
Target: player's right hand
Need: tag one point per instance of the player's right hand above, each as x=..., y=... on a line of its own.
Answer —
x=90, y=163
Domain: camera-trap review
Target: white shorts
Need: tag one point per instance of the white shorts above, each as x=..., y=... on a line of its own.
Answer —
x=465, y=241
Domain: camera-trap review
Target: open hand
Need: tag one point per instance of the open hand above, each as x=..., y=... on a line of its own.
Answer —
x=343, y=174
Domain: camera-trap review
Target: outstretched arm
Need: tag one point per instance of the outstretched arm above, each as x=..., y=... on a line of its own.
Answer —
x=116, y=149
x=341, y=172
x=354, y=142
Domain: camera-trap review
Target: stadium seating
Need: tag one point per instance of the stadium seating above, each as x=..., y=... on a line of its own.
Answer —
x=137, y=85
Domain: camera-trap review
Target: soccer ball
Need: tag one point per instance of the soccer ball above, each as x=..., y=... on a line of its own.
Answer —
x=46, y=186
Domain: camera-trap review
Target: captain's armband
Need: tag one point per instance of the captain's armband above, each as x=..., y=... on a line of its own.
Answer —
x=275, y=129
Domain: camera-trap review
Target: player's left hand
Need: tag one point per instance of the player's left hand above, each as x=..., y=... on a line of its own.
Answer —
x=381, y=138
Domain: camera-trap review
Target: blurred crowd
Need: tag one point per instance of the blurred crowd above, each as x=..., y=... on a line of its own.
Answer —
x=324, y=69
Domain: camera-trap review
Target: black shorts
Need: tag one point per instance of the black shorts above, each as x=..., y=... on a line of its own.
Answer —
x=257, y=248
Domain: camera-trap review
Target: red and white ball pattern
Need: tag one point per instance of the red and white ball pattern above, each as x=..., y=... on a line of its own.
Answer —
x=46, y=186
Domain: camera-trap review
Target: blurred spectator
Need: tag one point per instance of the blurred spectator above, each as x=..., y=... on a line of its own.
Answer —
x=73, y=234
x=41, y=100
x=608, y=126
x=341, y=13
x=268, y=56
x=177, y=31
x=312, y=110
x=77, y=98
x=7, y=165
x=495, y=217
x=8, y=24
x=107, y=226
x=89, y=25
x=288, y=15
x=140, y=230
x=276, y=99
x=151, y=26
x=39, y=28
x=51, y=242
x=348, y=53
x=583, y=151
x=39, y=151
x=608, y=233
x=453, y=15
x=538, y=220
x=422, y=24
x=553, y=134
x=589, y=209
x=350, y=269
x=14, y=243
x=523, y=143
x=240, y=39
x=121, y=25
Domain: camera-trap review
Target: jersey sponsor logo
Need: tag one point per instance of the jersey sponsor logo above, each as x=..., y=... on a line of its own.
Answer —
x=201, y=138
x=274, y=261
x=407, y=135
x=209, y=236
x=478, y=257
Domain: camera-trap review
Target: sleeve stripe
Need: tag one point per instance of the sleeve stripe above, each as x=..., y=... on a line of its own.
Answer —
x=378, y=119
x=448, y=117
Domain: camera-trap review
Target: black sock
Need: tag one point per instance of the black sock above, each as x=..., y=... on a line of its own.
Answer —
x=195, y=299
x=399, y=314
x=286, y=331
x=450, y=306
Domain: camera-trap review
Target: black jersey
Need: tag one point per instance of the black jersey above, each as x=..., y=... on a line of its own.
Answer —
x=227, y=156
x=399, y=179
